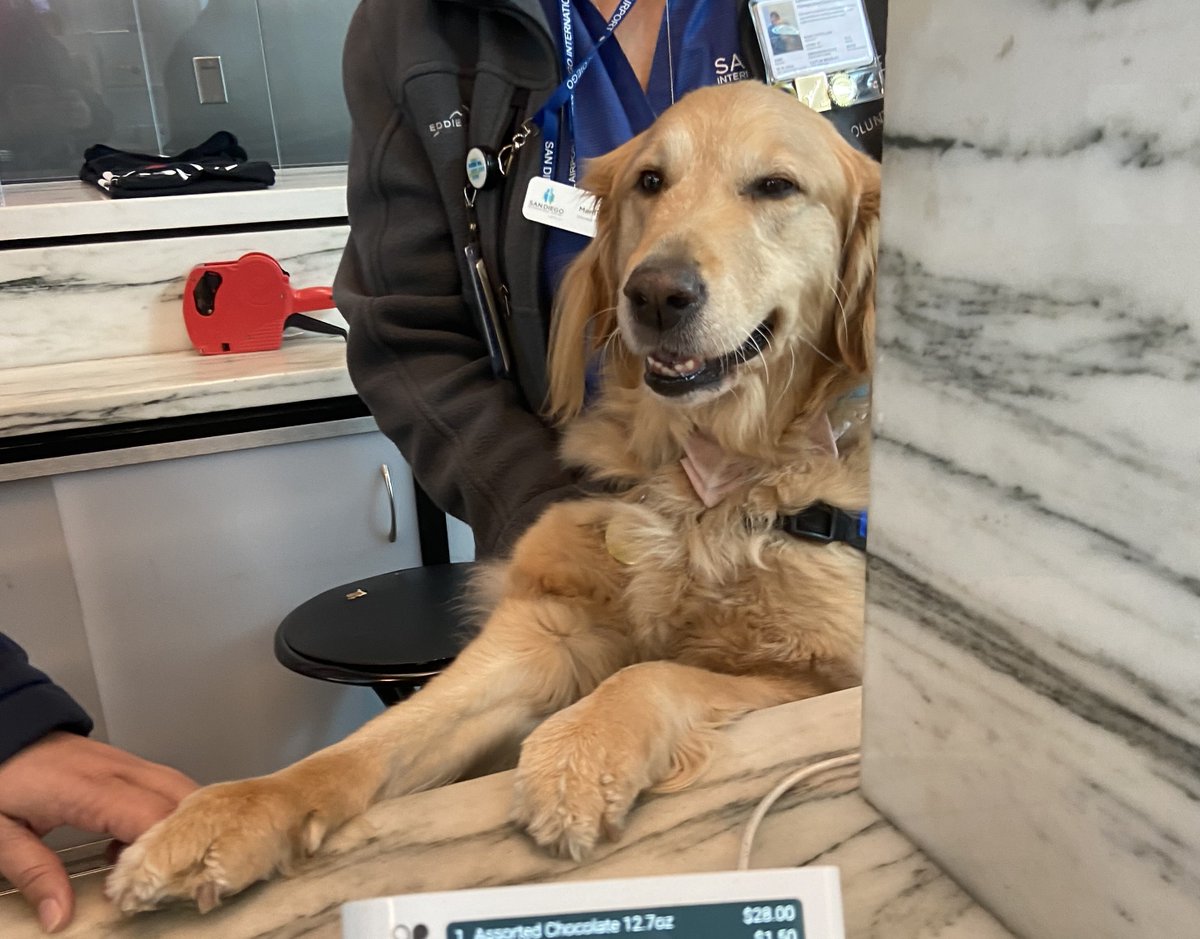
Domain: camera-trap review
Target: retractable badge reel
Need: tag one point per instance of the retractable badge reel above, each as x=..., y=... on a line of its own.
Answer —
x=487, y=168
x=820, y=52
x=483, y=168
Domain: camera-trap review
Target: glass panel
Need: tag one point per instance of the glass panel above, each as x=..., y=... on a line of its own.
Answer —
x=124, y=72
x=303, y=44
x=225, y=35
x=71, y=75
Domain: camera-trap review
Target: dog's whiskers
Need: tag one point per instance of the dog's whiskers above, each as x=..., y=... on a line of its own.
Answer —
x=837, y=295
x=607, y=347
x=811, y=345
x=762, y=355
x=592, y=317
x=598, y=313
x=737, y=393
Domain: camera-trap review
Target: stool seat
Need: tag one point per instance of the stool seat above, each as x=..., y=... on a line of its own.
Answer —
x=393, y=631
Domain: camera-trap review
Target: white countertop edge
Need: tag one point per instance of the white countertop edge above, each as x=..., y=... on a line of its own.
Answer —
x=64, y=396
x=154, y=453
x=36, y=210
x=250, y=391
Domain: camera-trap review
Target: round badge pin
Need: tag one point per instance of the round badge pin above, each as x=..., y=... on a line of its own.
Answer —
x=483, y=169
x=842, y=89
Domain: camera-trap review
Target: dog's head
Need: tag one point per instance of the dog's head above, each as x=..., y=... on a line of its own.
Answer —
x=735, y=248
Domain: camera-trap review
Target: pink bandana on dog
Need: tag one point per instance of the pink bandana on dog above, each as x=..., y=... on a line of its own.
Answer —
x=714, y=474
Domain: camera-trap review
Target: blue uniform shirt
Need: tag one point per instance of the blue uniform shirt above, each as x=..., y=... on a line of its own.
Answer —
x=699, y=44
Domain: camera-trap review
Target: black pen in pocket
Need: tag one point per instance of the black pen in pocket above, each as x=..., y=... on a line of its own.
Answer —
x=487, y=313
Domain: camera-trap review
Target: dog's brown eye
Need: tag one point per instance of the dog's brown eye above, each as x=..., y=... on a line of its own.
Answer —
x=650, y=181
x=773, y=187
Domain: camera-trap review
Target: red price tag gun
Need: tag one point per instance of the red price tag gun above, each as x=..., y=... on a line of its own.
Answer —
x=244, y=305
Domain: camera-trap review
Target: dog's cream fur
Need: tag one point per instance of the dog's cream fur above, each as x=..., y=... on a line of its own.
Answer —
x=617, y=675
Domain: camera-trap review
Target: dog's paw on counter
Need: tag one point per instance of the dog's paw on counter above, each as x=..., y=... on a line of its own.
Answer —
x=577, y=779
x=219, y=841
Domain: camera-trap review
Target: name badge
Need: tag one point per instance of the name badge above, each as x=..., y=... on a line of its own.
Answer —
x=807, y=37
x=560, y=206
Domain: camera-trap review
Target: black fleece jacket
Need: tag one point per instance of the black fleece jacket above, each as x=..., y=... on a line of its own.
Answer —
x=31, y=705
x=425, y=80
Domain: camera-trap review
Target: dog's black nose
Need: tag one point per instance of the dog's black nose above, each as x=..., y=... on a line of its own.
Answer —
x=662, y=294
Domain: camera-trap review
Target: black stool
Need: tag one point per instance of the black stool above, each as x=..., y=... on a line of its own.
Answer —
x=393, y=632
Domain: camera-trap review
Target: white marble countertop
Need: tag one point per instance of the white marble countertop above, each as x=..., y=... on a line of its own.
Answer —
x=41, y=398
x=86, y=343
x=35, y=210
x=459, y=836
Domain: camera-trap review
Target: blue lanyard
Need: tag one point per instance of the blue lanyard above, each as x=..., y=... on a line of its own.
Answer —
x=704, y=49
x=547, y=117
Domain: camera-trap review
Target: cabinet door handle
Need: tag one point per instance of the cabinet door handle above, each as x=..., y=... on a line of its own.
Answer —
x=387, y=482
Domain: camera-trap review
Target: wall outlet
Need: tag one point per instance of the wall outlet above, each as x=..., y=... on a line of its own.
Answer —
x=210, y=79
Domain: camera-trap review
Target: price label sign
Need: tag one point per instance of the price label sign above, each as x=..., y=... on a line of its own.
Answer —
x=775, y=904
x=772, y=919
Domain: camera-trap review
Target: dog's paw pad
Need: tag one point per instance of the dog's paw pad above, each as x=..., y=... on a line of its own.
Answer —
x=218, y=842
x=574, y=787
x=142, y=881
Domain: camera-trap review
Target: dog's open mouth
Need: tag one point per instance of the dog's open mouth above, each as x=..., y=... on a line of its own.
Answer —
x=672, y=375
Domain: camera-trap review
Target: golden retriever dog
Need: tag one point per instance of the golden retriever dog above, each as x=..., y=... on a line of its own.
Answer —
x=726, y=304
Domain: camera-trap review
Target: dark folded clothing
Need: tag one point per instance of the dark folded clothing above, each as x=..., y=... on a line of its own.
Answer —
x=217, y=165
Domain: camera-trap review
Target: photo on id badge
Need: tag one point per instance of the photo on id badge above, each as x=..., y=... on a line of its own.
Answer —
x=779, y=22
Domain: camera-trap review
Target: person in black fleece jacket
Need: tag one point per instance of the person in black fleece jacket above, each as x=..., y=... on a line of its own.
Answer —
x=51, y=774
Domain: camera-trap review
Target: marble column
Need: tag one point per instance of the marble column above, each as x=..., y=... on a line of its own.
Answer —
x=1032, y=709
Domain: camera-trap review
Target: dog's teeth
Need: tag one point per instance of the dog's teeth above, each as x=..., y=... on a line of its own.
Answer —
x=673, y=370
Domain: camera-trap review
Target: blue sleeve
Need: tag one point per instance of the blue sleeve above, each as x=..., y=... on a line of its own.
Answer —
x=31, y=705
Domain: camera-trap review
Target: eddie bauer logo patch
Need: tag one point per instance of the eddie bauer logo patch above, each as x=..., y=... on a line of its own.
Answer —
x=453, y=119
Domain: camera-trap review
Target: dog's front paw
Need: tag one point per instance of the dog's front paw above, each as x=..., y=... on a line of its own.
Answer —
x=220, y=840
x=577, y=780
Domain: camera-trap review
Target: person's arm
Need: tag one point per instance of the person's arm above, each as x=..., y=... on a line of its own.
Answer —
x=52, y=775
x=31, y=705
x=415, y=354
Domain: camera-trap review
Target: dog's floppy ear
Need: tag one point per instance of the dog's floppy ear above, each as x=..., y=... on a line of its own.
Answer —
x=585, y=305
x=856, y=286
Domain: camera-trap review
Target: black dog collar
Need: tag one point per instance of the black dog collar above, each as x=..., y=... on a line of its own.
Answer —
x=824, y=523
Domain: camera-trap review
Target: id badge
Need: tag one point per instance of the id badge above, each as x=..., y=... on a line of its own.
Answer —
x=487, y=312
x=808, y=37
x=560, y=206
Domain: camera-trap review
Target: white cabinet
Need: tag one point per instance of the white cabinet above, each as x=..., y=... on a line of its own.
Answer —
x=184, y=568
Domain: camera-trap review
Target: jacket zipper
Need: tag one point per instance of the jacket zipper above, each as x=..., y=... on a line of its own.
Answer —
x=519, y=103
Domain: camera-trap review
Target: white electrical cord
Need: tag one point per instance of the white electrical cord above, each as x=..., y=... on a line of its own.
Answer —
x=773, y=796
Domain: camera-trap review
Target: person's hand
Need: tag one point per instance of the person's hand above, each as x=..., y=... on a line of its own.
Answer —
x=65, y=779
